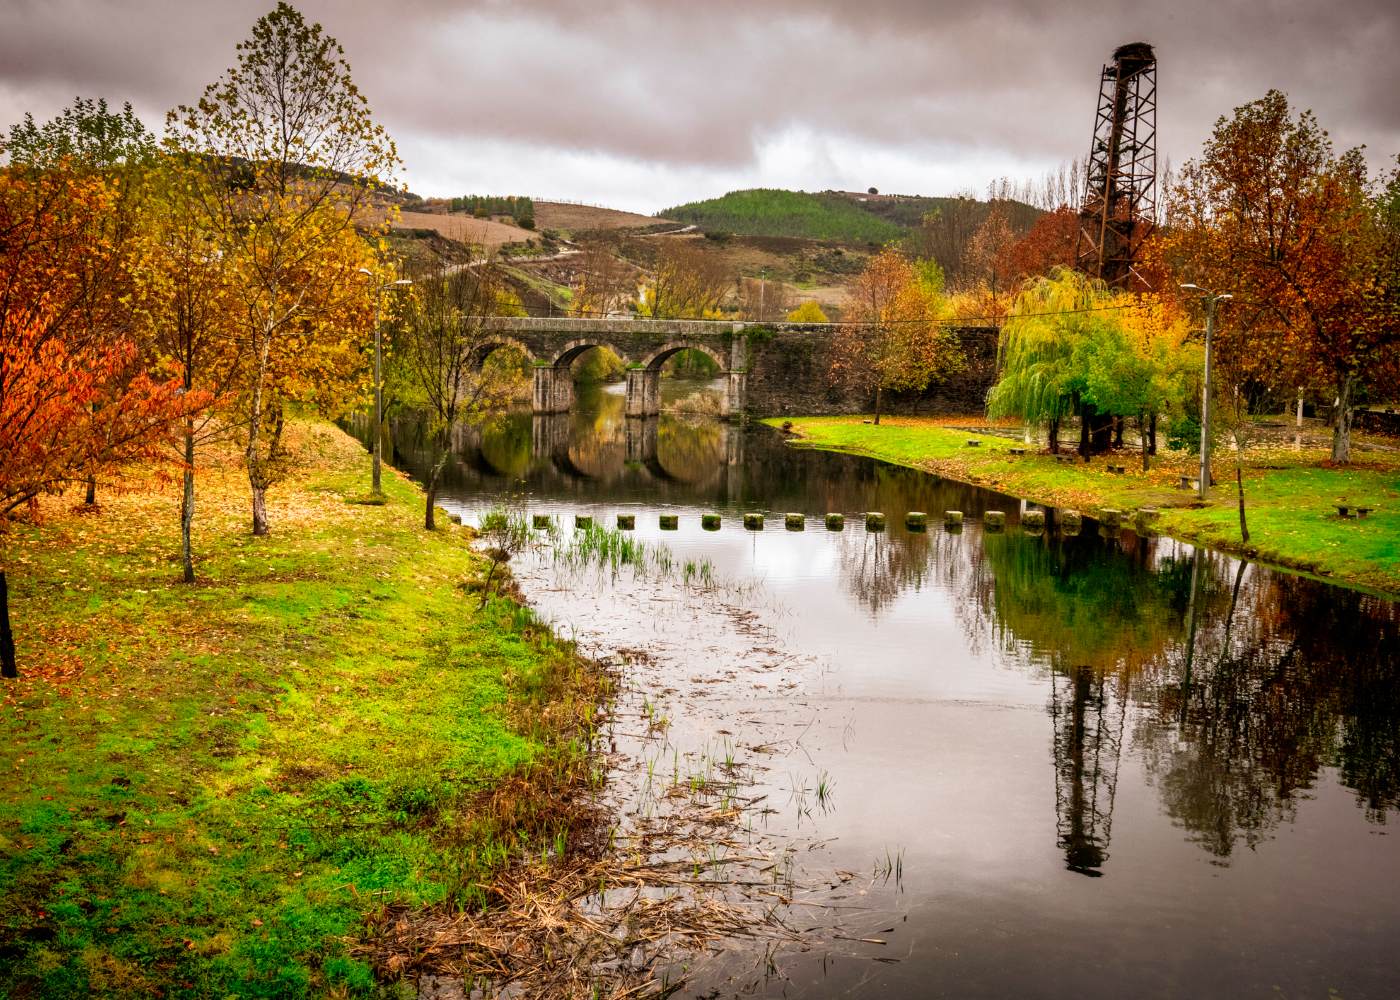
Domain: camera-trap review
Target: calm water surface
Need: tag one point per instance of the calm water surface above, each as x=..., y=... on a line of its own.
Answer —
x=1102, y=765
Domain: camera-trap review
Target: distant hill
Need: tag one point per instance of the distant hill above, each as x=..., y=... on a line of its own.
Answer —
x=833, y=216
x=772, y=212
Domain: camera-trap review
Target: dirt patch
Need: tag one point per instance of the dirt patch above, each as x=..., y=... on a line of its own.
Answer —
x=465, y=228
x=559, y=215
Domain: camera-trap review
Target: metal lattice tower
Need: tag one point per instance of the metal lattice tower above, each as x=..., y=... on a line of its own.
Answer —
x=1120, y=192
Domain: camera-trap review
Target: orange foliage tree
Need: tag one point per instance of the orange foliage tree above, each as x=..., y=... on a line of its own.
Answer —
x=1049, y=244
x=1273, y=215
x=74, y=398
x=897, y=342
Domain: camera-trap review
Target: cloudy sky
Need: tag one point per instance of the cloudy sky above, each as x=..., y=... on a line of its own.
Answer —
x=643, y=105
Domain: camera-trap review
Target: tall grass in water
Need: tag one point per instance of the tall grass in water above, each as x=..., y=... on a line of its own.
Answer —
x=613, y=550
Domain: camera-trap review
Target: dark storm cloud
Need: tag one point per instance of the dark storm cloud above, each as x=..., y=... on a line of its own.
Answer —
x=704, y=86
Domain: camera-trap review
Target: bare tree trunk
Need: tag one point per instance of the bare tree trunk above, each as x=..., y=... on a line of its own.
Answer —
x=8, y=667
x=1142, y=438
x=256, y=479
x=429, y=518
x=91, y=498
x=1053, y=432
x=259, y=511
x=187, y=508
x=1239, y=482
x=877, y=406
x=1118, y=432
x=1341, y=428
x=1152, y=435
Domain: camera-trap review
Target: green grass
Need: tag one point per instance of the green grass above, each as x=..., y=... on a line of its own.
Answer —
x=772, y=212
x=208, y=789
x=1290, y=496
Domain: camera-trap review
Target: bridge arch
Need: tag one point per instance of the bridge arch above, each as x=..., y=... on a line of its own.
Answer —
x=660, y=356
x=481, y=352
x=571, y=351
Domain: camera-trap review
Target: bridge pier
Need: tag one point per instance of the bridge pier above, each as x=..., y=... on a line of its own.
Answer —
x=735, y=390
x=643, y=392
x=554, y=389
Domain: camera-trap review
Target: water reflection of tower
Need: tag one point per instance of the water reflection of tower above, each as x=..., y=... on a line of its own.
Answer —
x=1088, y=743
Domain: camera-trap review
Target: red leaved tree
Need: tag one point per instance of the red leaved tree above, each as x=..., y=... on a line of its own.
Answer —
x=74, y=401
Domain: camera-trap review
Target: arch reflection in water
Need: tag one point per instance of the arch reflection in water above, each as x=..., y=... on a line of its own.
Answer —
x=690, y=457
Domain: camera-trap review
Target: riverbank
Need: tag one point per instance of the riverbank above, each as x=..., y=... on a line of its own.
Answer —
x=210, y=789
x=1290, y=495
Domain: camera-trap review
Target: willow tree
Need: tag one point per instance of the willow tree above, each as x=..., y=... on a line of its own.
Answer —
x=294, y=159
x=1134, y=364
x=1048, y=321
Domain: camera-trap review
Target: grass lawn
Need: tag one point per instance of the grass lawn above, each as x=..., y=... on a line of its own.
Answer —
x=207, y=789
x=1290, y=496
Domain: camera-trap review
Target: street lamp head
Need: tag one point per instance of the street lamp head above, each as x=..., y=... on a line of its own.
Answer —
x=1192, y=288
x=1222, y=298
x=402, y=281
x=367, y=272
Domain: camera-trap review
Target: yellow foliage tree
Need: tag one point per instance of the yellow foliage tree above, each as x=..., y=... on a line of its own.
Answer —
x=294, y=158
x=808, y=312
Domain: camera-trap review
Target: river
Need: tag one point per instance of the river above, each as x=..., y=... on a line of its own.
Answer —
x=992, y=763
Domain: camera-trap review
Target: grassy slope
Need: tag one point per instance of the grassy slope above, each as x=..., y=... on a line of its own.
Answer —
x=206, y=789
x=1289, y=495
x=771, y=212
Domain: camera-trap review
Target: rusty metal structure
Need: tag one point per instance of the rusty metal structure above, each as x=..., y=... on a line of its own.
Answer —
x=1120, y=191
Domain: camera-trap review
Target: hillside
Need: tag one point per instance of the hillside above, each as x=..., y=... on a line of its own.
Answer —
x=834, y=216
x=771, y=212
x=465, y=228
x=574, y=218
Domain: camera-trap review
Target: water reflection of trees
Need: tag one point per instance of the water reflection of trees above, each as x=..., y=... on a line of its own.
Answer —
x=1237, y=687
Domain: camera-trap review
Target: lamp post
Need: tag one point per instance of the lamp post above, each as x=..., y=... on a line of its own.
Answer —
x=378, y=378
x=1210, y=299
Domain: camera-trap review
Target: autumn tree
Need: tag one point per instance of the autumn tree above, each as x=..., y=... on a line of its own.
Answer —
x=606, y=282
x=810, y=311
x=74, y=398
x=897, y=342
x=687, y=283
x=985, y=257
x=1133, y=364
x=88, y=139
x=1272, y=214
x=944, y=233
x=1050, y=243
x=293, y=157
x=187, y=302
x=444, y=342
x=764, y=301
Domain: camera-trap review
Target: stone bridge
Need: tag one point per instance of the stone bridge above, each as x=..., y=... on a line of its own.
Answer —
x=768, y=369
